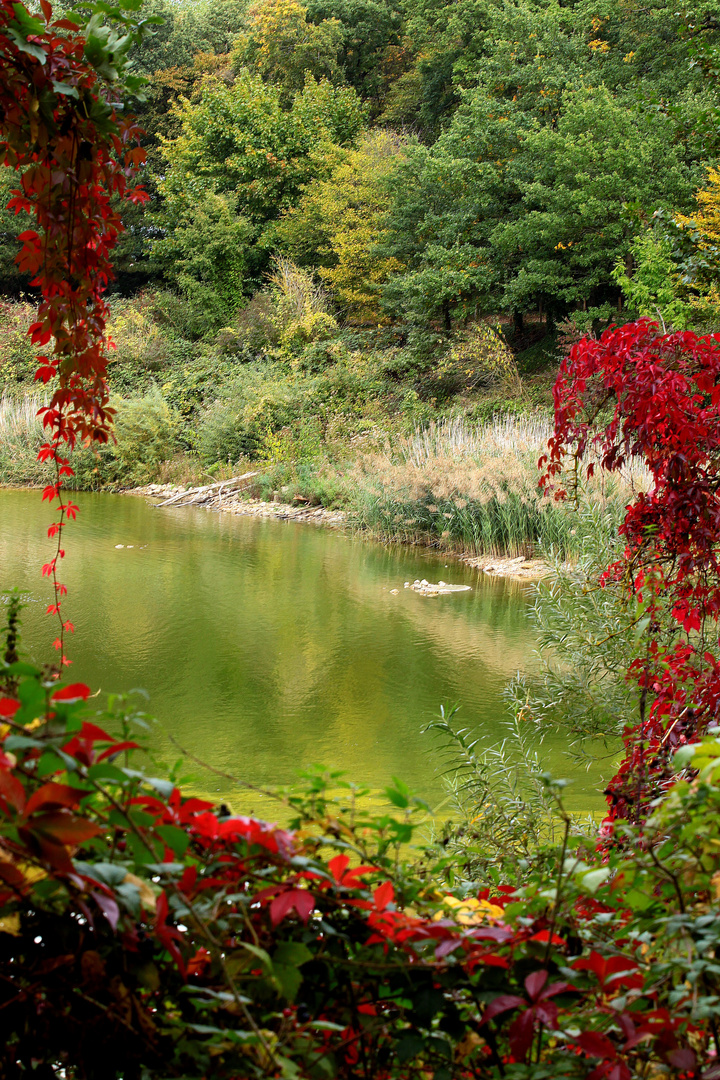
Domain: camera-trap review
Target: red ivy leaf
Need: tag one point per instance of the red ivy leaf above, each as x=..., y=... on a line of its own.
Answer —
x=299, y=900
x=74, y=692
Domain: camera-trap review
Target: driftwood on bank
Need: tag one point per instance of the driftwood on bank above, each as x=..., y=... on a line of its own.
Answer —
x=210, y=493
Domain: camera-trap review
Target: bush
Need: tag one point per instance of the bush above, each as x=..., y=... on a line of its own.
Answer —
x=257, y=401
x=300, y=306
x=479, y=359
x=17, y=353
x=145, y=434
x=139, y=341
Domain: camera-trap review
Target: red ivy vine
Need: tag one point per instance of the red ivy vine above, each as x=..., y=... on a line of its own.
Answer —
x=638, y=394
x=62, y=131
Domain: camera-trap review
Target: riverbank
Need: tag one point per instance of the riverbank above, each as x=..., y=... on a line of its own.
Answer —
x=466, y=488
x=236, y=503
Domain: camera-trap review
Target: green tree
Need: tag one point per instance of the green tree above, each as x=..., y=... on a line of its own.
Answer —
x=372, y=50
x=444, y=202
x=243, y=159
x=281, y=45
x=582, y=185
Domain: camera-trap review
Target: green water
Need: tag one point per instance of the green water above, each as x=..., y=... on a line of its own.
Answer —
x=268, y=646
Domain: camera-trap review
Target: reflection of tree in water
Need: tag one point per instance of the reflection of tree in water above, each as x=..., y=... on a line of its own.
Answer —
x=268, y=646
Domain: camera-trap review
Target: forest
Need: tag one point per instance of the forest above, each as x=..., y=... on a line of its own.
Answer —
x=365, y=218
x=455, y=270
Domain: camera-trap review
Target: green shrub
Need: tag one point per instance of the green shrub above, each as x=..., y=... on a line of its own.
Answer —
x=145, y=436
x=257, y=401
x=17, y=353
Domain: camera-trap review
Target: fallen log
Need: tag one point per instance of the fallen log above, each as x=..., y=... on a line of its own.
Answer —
x=205, y=493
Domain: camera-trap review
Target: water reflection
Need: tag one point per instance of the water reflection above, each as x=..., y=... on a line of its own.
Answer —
x=267, y=646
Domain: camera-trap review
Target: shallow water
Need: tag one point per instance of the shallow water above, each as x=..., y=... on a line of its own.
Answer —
x=268, y=646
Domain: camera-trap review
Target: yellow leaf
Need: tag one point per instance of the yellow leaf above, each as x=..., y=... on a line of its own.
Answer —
x=147, y=896
x=10, y=924
x=471, y=911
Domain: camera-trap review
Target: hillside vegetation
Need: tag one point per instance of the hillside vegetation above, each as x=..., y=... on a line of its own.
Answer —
x=370, y=217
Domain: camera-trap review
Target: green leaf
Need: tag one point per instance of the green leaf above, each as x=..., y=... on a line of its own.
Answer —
x=105, y=771
x=289, y=978
x=397, y=798
x=176, y=839
x=683, y=756
x=292, y=953
x=22, y=669
x=27, y=22
x=31, y=695
x=261, y=955
x=594, y=879
x=50, y=762
x=22, y=742
x=110, y=874
x=408, y=1048
x=638, y=901
x=288, y=1068
x=27, y=46
x=66, y=89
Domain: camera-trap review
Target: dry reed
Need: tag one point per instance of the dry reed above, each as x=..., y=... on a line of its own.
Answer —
x=474, y=487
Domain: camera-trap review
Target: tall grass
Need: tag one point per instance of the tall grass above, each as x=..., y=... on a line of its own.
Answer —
x=474, y=487
x=20, y=438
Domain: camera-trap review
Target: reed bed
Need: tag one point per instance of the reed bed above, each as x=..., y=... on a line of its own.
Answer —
x=474, y=488
x=21, y=436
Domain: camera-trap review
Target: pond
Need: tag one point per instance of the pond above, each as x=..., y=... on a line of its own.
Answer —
x=268, y=646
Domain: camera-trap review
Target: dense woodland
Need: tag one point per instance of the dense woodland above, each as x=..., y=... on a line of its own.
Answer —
x=365, y=215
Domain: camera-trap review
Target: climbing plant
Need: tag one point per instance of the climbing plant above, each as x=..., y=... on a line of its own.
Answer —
x=63, y=85
x=640, y=393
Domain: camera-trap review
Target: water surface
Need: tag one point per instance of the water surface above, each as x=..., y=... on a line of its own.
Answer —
x=268, y=646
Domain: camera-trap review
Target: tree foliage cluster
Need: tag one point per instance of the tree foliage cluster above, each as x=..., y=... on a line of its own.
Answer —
x=430, y=161
x=532, y=143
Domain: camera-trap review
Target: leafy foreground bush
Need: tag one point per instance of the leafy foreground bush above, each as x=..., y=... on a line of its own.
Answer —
x=146, y=934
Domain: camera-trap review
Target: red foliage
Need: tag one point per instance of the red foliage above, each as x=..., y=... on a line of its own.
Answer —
x=635, y=393
x=60, y=129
